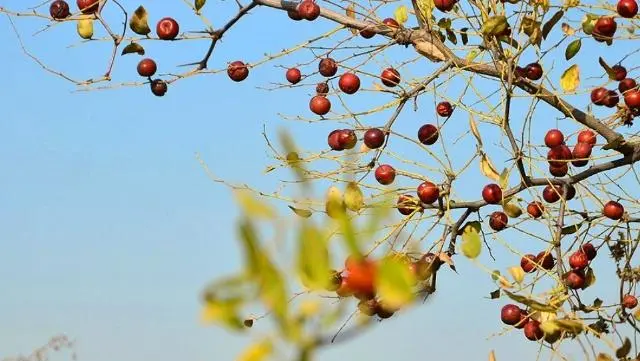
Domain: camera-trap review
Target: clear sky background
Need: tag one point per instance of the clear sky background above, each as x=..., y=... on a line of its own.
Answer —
x=109, y=228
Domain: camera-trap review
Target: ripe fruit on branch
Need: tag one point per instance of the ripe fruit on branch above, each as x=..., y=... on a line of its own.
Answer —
x=581, y=153
x=559, y=170
x=613, y=210
x=612, y=99
x=390, y=77
x=158, y=87
x=347, y=138
x=308, y=9
x=551, y=194
x=545, y=260
x=575, y=279
x=322, y=89
x=349, y=83
x=559, y=155
x=498, y=221
x=444, y=5
x=604, y=28
x=320, y=105
x=368, y=32
x=368, y=307
x=532, y=331
x=626, y=84
x=510, y=314
x=627, y=8
x=147, y=67
x=59, y=9
x=619, y=72
x=535, y=209
x=374, y=138
x=632, y=98
x=328, y=67
x=553, y=138
x=587, y=136
x=390, y=22
x=492, y=193
x=599, y=95
x=629, y=301
x=385, y=174
x=428, y=134
x=578, y=260
x=237, y=71
x=344, y=290
x=428, y=192
x=407, y=204
x=88, y=6
x=167, y=28
x=334, y=140
x=528, y=263
x=589, y=250
x=444, y=109
x=360, y=276
x=293, y=75
x=294, y=15
x=533, y=71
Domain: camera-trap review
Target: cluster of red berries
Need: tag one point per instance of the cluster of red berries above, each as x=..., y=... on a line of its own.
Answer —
x=559, y=154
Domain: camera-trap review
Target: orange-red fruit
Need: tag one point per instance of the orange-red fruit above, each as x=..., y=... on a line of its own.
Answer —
x=559, y=170
x=374, y=138
x=498, y=221
x=237, y=71
x=88, y=6
x=147, y=67
x=612, y=99
x=294, y=15
x=322, y=89
x=167, y=28
x=553, y=138
x=385, y=174
x=587, y=136
x=604, y=28
x=158, y=87
x=444, y=109
x=328, y=67
x=533, y=71
x=551, y=194
x=492, y=193
x=578, y=260
x=632, y=98
x=619, y=72
x=444, y=5
x=347, y=138
x=334, y=140
x=535, y=209
x=391, y=23
x=528, y=263
x=428, y=192
x=407, y=204
x=428, y=134
x=349, y=83
x=368, y=32
x=589, y=250
x=558, y=155
x=599, y=95
x=626, y=84
x=59, y=9
x=320, y=105
x=581, y=153
x=344, y=290
x=293, y=75
x=308, y=9
x=510, y=314
x=546, y=260
x=390, y=77
x=629, y=301
x=532, y=331
x=360, y=276
x=613, y=210
x=627, y=8
x=575, y=279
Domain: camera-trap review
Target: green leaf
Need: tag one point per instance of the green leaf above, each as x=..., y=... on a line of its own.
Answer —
x=223, y=300
x=538, y=306
x=199, y=4
x=139, y=22
x=503, y=181
x=394, y=282
x=588, y=22
x=304, y=213
x=624, y=350
x=571, y=229
x=471, y=244
x=494, y=25
x=313, y=258
x=353, y=197
x=546, y=28
x=572, y=49
x=133, y=48
x=607, y=68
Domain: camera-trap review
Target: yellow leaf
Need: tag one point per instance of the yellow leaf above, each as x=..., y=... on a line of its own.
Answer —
x=313, y=258
x=199, y=4
x=309, y=308
x=604, y=357
x=401, y=15
x=351, y=12
x=394, y=282
x=334, y=204
x=471, y=244
x=353, y=197
x=636, y=314
x=257, y=352
x=570, y=79
x=517, y=273
x=474, y=129
x=567, y=29
x=139, y=23
x=487, y=168
x=425, y=8
x=512, y=210
x=85, y=27
x=492, y=356
x=304, y=213
x=253, y=207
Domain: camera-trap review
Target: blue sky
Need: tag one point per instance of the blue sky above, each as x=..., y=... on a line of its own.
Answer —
x=109, y=228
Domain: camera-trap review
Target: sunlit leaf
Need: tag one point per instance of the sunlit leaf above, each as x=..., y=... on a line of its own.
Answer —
x=572, y=49
x=471, y=243
x=132, y=48
x=588, y=22
x=570, y=79
x=494, y=26
x=425, y=8
x=394, y=282
x=199, y=4
x=257, y=352
x=503, y=181
x=487, y=168
x=512, y=210
x=252, y=206
x=474, y=129
x=400, y=14
x=304, y=213
x=353, y=197
x=538, y=306
x=313, y=257
x=224, y=313
x=139, y=23
x=517, y=273
x=610, y=72
x=567, y=29
x=85, y=27
x=334, y=203
x=569, y=325
x=604, y=357
x=492, y=356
